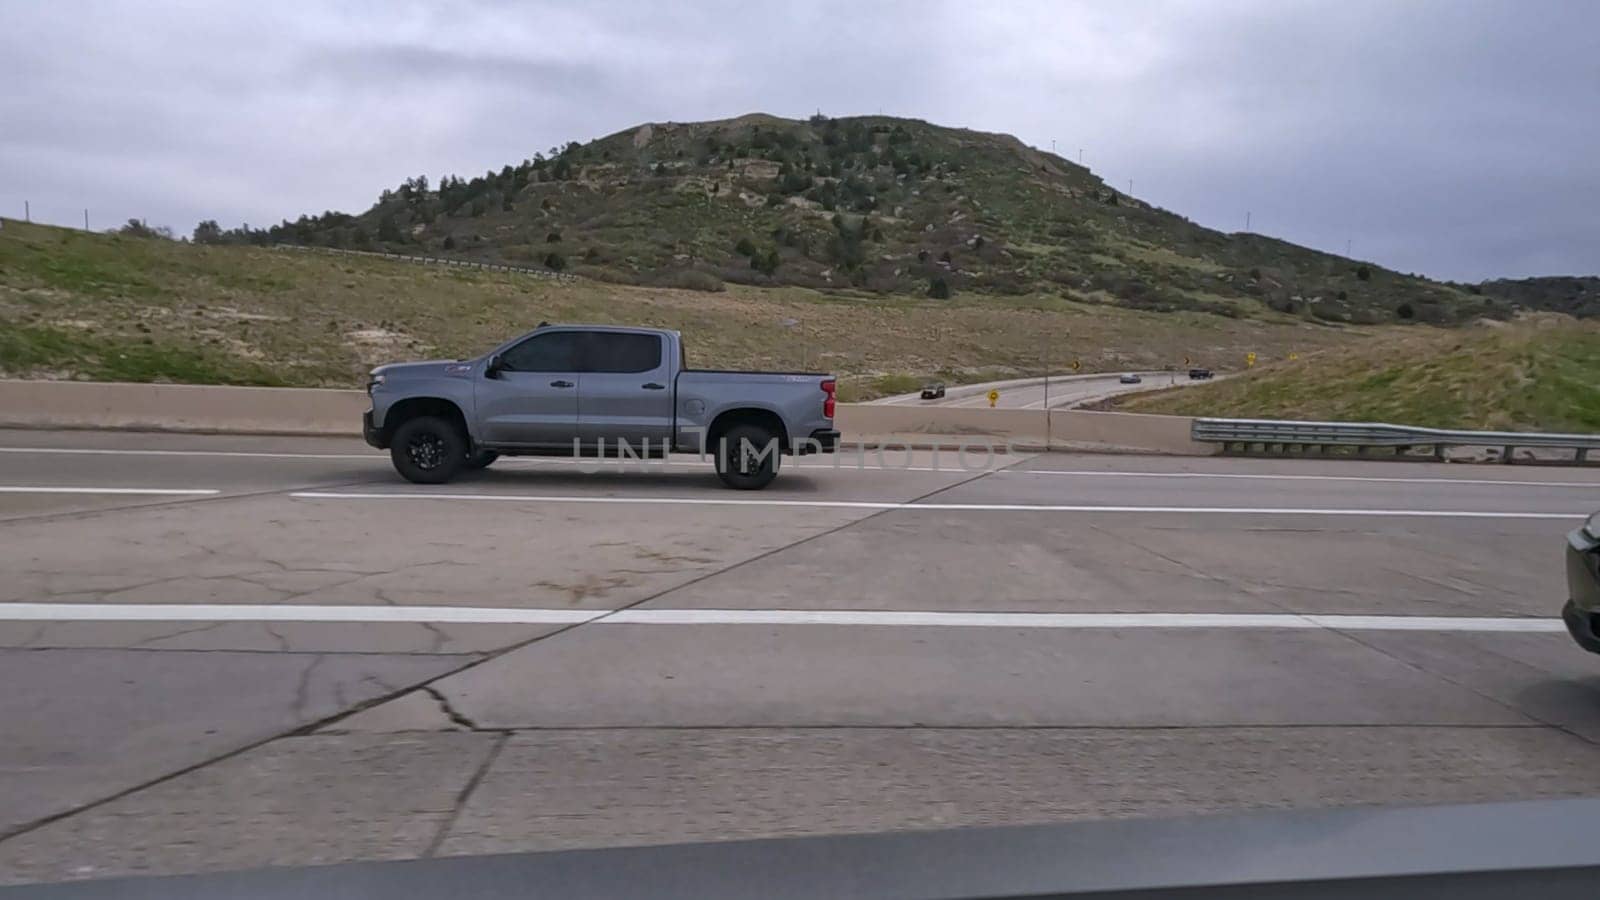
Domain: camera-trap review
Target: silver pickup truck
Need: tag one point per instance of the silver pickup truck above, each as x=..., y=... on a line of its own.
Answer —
x=594, y=389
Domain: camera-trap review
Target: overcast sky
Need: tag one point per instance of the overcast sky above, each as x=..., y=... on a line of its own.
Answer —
x=1454, y=138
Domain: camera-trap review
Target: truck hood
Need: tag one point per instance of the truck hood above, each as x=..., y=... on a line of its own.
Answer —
x=432, y=368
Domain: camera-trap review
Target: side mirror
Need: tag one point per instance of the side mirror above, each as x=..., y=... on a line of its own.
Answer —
x=492, y=370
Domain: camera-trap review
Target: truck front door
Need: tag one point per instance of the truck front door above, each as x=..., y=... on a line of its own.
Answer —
x=533, y=399
x=626, y=395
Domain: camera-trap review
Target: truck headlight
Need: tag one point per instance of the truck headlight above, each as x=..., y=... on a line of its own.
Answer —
x=1591, y=526
x=373, y=381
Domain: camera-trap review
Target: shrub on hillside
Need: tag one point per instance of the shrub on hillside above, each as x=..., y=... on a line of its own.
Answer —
x=938, y=289
x=555, y=262
x=689, y=280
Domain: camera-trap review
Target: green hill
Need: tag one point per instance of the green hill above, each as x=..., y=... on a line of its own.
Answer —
x=885, y=205
x=1573, y=295
x=80, y=305
x=1542, y=373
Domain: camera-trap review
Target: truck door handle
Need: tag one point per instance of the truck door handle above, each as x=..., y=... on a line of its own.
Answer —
x=652, y=386
x=562, y=384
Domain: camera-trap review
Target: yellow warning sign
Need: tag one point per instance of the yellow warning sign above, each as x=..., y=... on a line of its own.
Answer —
x=1249, y=359
x=994, y=397
x=1076, y=365
x=1293, y=357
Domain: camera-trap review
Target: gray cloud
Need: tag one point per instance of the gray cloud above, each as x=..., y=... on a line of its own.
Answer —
x=1456, y=139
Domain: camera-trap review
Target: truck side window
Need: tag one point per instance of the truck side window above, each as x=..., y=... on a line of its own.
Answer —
x=614, y=351
x=555, y=351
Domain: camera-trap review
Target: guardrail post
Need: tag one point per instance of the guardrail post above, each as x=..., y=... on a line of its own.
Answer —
x=1580, y=455
x=1438, y=452
x=1505, y=456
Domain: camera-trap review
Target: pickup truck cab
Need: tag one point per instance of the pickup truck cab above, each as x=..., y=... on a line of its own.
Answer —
x=594, y=389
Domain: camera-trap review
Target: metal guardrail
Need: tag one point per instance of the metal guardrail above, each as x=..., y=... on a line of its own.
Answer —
x=436, y=261
x=1542, y=849
x=1316, y=436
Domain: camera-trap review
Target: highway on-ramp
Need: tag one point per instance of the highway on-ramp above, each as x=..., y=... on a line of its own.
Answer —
x=229, y=652
x=1041, y=393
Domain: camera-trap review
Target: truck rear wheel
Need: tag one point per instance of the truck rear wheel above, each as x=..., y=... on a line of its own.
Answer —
x=428, y=450
x=747, y=457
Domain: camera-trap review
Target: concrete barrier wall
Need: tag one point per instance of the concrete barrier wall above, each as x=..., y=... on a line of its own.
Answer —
x=251, y=410
x=180, y=407
x=1076, y=429
x=999, y=424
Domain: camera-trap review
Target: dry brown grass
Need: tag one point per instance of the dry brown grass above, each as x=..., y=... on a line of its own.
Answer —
x=312, y=319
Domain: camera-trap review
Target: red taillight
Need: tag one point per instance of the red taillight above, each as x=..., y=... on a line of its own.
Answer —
x=829, y=388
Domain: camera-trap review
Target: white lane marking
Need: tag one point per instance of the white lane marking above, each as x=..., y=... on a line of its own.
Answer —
x=202, y=612
x=538, y=498
x=964, y=507
x=160, y=612
x=1094, y=473
x=158, y=492
x=836, y=463
x=247, y=454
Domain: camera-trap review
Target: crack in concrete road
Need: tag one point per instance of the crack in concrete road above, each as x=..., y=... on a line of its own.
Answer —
x=450, y=712
x=179, y=633
x=428, y=683
x=482, y=771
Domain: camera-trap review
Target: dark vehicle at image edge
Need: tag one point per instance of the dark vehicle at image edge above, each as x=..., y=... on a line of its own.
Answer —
x=592, y=389
x=1582, y=612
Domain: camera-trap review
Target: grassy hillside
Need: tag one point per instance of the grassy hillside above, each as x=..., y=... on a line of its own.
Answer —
x=1540, y=373
x=887, y=205
x=81, y=305
x=1573, y=295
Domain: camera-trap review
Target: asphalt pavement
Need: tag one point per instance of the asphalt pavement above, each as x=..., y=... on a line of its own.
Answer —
x=230, y=652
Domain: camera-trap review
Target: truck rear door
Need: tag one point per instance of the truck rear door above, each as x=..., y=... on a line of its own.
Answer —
x=533, y=399
x=626, y=393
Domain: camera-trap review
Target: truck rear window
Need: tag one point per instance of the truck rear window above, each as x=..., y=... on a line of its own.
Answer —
x=610, y=351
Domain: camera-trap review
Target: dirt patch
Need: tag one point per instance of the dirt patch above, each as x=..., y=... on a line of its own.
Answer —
x=234, y=315
x=374, y=346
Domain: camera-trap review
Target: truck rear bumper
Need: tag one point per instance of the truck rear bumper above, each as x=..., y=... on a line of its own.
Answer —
x=823, y=440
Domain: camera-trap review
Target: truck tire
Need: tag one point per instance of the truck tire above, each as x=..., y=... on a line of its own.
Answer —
x=481, y=459
x=428, y=450
x=736, y=467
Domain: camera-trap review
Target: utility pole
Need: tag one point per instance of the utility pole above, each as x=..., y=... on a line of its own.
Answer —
x=1052, y=145
x=1247, y=221
x=1130, y=187
x=27, y=212
x=1346, y=248
x=86, y=219
x=1080, y=156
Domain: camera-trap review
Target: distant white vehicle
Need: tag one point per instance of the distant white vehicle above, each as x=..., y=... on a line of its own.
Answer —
x=1130, y=378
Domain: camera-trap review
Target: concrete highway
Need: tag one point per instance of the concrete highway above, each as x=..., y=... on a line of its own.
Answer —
x=227, y=652
x=1033, y=393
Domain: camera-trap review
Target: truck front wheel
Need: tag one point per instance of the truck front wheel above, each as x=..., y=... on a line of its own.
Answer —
x=428, y=450
x=747, y=457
